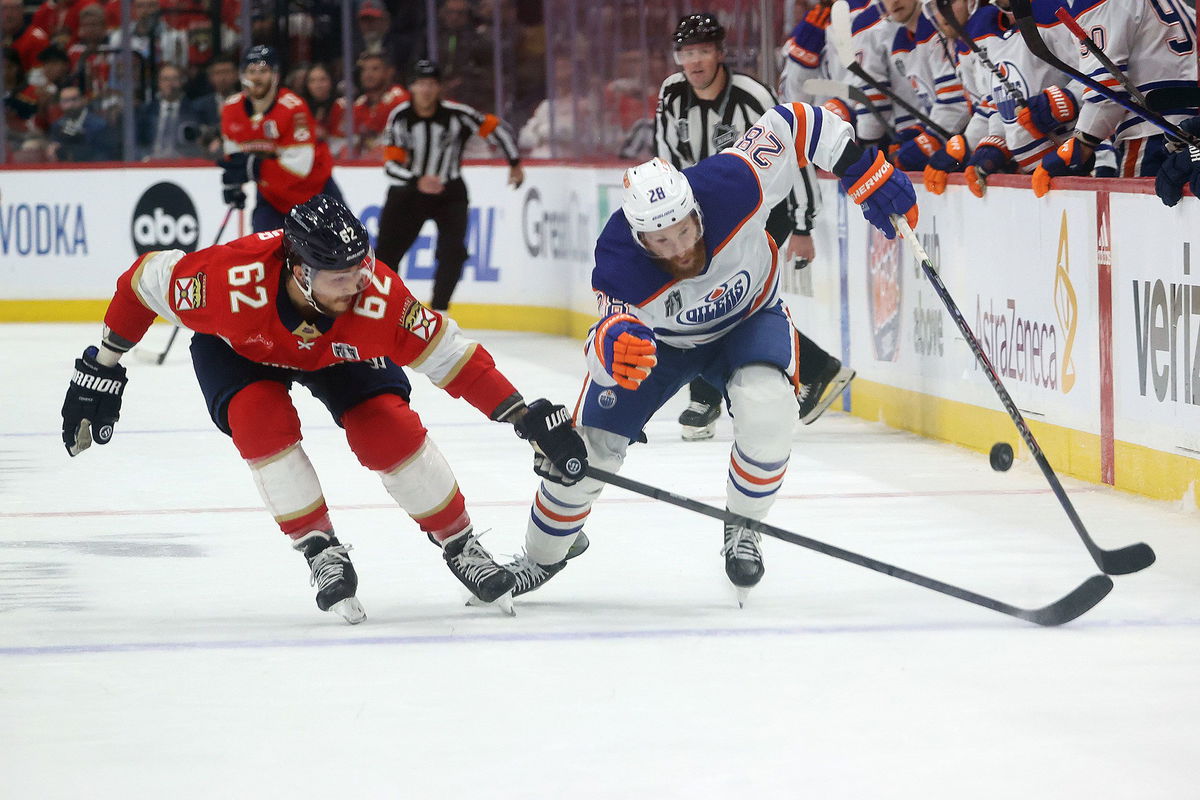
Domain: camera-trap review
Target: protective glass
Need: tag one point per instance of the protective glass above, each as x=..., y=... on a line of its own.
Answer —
x=695, y=52
x=342, y=282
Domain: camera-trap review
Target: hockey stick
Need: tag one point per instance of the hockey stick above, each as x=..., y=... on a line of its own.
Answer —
x=1033, y=40
x=839, y=29
x=944, y=7
x=1069, y=22
x=159, y=358
x=1123, y=561
x=818, y=86
x=1078, y=601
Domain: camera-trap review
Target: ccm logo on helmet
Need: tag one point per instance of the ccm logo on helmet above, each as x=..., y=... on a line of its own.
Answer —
x=165, y=219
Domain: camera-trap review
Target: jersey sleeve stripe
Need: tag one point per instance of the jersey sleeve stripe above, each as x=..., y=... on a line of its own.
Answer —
x=429, y=348
x=770, y=281
x=452, y=373
x=745, y=219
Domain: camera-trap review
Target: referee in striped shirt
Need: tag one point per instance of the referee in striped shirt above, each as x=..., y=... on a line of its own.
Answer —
x=702, y=109
x=423, y=144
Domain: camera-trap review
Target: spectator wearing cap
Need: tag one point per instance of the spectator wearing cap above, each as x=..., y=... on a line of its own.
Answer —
x=423, y=145
x=380, y=94
x=374, y=32
x=79, y=134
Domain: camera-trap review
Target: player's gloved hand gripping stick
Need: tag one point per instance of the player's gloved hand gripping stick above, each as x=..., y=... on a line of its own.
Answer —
x=881, y=190
x=559, y=453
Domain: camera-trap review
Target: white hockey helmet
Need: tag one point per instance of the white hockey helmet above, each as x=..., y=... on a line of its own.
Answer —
x=656, y=196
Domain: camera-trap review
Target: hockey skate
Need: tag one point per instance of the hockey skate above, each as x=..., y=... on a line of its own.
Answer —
x=531, y=575
x=817, y=396
x=487, y=581
x=699, y=420
x=332, y=574
x=743, y=559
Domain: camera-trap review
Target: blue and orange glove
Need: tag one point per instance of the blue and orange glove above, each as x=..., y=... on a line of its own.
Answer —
x=951, y=158
x=991, y=156
x=917, y=145
x=1072, y=157
x=627, y=349
x=880, y=190
x=1047, y=111
x=1179, y=168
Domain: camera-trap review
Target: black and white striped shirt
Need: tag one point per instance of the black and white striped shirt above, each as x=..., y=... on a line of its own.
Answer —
x=416, y=146
x=688, y=129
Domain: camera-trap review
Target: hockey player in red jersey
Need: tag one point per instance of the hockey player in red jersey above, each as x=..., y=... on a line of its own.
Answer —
x=271, y=140
x=309, y=304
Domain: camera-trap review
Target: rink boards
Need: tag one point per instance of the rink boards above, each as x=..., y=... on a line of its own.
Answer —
x=1084, y=300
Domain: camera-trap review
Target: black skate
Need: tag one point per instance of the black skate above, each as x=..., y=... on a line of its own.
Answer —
x=699, y=420
x=332, y=574
x=743, y=559
x=817, y=396
x=531, y=575
x=473, y=565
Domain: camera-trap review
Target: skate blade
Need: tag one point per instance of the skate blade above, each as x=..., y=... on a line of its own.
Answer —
x=742, y=592
x=504, y=602
x=691, y=434
x=832, y=392
x=350, y=610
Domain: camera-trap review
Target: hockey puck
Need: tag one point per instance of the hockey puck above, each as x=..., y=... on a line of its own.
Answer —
x=1001, y=456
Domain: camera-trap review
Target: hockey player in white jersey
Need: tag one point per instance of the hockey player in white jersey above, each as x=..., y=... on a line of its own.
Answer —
x=920, y=57
x=1154, y=43
x=687, y=283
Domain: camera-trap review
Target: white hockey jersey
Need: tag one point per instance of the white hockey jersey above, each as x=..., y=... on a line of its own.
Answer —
x=992, y=31
x=873, y=34
x=1152, y=41
x=736, y=190
x=923, y=59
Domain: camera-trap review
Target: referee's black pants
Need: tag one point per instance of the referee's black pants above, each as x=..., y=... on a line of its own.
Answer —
x=405, y=211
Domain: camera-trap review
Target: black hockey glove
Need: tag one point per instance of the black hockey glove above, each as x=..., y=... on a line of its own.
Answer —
x=238, y=169
x=558, y=452
x=93, y=403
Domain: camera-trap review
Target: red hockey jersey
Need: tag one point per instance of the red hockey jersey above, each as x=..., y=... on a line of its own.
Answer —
x=236, y=291
x=301, y=162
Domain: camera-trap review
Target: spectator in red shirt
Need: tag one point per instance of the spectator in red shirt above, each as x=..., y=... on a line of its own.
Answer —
x=27, y=40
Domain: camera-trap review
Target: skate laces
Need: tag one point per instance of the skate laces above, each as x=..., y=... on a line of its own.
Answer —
x=697, y=407
x=473, y=562
x=742, y=543
x=528, y=572
x=328, y=566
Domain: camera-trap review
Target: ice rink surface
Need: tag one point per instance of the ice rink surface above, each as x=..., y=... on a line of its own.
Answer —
x=158, y=638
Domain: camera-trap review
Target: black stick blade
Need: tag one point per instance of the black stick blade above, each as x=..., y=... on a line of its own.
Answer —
x=1125, y=560
x=1081, y=600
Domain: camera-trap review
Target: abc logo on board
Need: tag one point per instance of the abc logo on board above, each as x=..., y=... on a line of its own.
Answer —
x=165, y=219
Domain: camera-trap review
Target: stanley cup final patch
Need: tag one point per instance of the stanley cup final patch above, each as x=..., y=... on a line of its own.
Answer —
x=189, y=293
x=346, y=352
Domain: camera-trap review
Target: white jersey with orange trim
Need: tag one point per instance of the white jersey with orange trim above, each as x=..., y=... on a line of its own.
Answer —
x=921, y=57
x=993, y=32
x=872, y=37
x=735, y=190
x=1152, y=41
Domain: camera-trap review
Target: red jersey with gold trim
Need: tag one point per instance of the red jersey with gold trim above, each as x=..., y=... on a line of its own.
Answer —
x=299, y=163
x=236, y=291
x=370, y=119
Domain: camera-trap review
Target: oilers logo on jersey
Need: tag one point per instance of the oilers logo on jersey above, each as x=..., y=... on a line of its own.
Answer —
x=1006, y=103
x=722, y=300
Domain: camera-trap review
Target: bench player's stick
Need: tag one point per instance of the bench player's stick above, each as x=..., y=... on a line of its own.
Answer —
x=1127, y=559
x=1078, y=601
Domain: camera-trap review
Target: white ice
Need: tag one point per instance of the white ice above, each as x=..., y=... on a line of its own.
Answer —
x=159, y=639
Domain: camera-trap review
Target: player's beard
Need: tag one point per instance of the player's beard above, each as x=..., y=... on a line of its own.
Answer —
x=686, y=265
